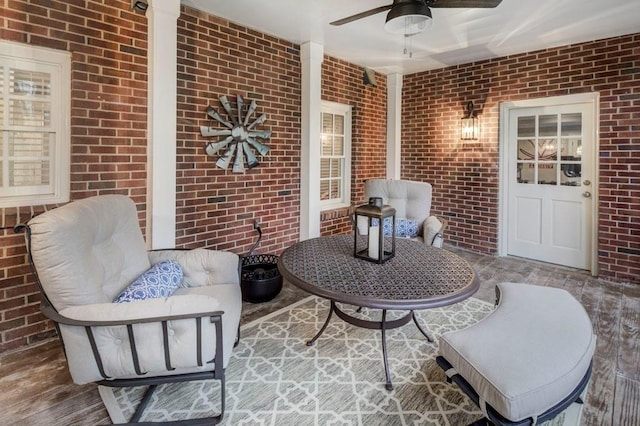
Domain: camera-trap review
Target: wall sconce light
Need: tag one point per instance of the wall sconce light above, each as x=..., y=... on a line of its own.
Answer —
x=139, y=5
x=470, y=125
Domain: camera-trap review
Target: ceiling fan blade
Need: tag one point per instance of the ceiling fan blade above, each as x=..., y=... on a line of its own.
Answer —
x=361, y=15
x=464, y=3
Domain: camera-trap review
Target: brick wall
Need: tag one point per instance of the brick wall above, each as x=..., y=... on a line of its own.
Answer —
x=216, y=208
x=342, y=83
x=465, y=176
x=108, y=129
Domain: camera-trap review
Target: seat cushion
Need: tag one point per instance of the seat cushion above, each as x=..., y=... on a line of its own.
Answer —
x=229, y=296
x=113, y=341
x=528, y=354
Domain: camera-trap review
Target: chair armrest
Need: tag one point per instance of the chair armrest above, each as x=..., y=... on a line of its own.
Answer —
x=148, y=327
x=433, y=230
x=202, y=267
x=143, y=311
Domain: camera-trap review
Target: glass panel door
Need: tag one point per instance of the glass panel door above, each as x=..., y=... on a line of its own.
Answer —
x=549, y=149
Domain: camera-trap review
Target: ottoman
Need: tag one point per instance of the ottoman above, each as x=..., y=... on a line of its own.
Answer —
x=526, y=361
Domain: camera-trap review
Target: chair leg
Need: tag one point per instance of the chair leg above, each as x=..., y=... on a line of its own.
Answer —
x=482, y=422
x=223, y=398
x=213, y=420
x=143, y=404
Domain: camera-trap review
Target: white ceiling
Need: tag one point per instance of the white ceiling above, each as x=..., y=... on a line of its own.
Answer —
x=457, y=36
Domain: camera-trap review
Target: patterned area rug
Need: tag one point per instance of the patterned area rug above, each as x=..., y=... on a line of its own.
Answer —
x=273, y=378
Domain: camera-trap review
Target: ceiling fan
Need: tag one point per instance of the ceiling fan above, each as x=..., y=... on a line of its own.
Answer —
x=410, y=17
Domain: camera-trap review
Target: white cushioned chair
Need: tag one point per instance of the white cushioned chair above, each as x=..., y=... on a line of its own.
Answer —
x=412, y=200
x=528, y=360
x=85, y=253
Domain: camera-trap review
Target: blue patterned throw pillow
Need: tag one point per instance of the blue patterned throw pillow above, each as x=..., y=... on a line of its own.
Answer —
x=161, y=280
x=401, y=228
x=386, y=225
x=405, y=228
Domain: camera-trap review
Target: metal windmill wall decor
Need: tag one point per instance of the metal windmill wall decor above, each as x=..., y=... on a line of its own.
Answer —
x=238, y=137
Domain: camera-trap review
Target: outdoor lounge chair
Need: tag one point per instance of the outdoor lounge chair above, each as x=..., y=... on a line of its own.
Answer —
x=412, y=201
x=87, y=253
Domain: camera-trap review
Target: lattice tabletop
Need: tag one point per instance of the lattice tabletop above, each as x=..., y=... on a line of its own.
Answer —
x=418, y=277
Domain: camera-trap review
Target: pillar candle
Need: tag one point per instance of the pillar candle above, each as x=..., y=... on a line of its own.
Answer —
x=374, y=243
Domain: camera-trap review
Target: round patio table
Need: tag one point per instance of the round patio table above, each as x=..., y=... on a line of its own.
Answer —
x=419, y=276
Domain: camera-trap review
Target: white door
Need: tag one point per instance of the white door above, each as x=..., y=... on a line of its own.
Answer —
x=549, y=155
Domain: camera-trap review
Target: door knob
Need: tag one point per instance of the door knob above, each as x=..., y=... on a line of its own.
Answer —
x=587, y=182
x=586, y=194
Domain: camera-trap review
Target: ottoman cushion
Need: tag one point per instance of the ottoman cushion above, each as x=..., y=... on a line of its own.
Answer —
x=528, y=354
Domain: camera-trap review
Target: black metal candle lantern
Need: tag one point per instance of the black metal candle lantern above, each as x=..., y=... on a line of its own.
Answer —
x=371, y=244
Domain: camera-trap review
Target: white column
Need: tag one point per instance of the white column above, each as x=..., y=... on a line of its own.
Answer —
x=394, y=123
x=162, y=99
x=311, y=56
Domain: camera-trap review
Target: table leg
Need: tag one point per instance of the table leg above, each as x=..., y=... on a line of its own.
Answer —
x=326, y=323
x=424, y=333
x=389, y=386
x=382, y=325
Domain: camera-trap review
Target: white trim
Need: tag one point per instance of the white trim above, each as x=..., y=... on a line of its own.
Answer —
x=311, y=56
x=592, y=98
x=347, y=112
x=162, y=100
x=60, y=61
x=394, y=125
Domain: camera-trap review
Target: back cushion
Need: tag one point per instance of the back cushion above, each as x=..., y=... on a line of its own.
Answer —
x=87, y=251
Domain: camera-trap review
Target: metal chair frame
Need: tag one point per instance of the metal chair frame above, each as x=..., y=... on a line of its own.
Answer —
x=495, y=418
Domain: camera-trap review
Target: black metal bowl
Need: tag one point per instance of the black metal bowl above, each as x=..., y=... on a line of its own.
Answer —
x=260, y=279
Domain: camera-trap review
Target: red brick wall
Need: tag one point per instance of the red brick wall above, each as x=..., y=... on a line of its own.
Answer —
x=216, y=207
x=465, y=176
x=108, y=128
x=342, y=83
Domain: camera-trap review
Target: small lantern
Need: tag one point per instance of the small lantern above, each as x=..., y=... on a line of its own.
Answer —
x=369, y=241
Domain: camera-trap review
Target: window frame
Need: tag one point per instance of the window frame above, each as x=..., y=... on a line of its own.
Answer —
x=345, y=111
x=58, y=64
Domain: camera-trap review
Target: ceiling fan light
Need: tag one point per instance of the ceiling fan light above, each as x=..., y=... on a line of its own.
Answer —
x=408, y=18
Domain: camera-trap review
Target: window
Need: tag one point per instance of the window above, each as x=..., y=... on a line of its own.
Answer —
x=34, y=125
x=550, y=149
x=335, y=156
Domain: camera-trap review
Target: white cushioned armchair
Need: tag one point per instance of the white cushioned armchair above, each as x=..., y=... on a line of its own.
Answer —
x=412, y=200
x=85, y=253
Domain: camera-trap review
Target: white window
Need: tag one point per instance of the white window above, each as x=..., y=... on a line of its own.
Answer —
x=335, y=156
x=35, y=90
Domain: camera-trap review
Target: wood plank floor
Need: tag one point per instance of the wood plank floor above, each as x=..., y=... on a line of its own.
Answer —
x=36, y=389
